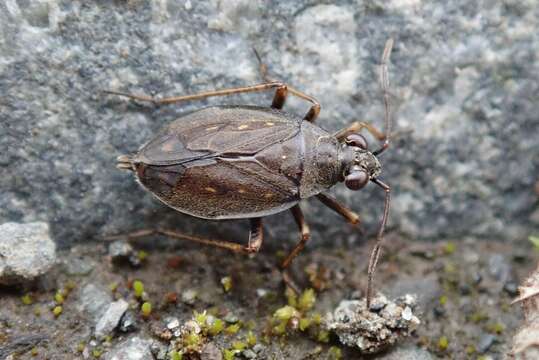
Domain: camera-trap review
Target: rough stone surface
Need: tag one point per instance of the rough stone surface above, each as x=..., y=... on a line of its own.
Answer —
x=464, y=79
x=94, y=301
x=407, y=352
x=26, y=251
x=135, y=348
x=111, y=318
x=373, y=330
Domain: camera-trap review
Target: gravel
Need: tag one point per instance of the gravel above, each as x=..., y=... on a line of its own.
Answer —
x=26, y=252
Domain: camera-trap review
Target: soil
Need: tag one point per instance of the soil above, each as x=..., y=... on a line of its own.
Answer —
x=464, y=290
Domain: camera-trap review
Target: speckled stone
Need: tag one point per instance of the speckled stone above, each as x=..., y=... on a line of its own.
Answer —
x=26, y=252
x=464, y=85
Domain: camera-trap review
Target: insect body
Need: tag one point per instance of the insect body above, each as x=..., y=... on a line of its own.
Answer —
x=247, y=162
x=230, y=162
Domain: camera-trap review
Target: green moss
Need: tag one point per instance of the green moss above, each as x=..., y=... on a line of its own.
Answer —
x=81, y=346
x=316, y=318
x=27, y=299
x=229, y=354
x=138, y=288
x=495, y=328
x=57, y=310
x=449, y=248
x=216, y=327
x=280, y=329
x=323, y=336
x=142, y=255
x=227, y=283
x=34, y=351
x=304, y=323
x=470, y=349
x=232, y=329
x=306, y=300
x=59, y=298
x=192, y=340
x=239, y=345
x=113, y=286
x=285, y=313
x=37, y=311
x=174, y=355
x=201, y=318
x=335, y=353
x=443, y=343
x=146, y=309
x=478, y=317
x=291, y=297
x=535, y=241
x=443, y=300
x=97, y=352
x=251, y=339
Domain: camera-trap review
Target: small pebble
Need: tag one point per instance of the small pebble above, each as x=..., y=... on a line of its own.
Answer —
x=211, y=352
x=249, y=354
x=173, y=323
x=189, y=296
x=231, y=318
x=485, y=342
x=258, y=348
x=407, y=314
x=128, y=322
x=511, y=288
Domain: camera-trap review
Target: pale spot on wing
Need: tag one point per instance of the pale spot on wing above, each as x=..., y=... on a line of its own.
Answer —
x=268, y=195
x=210, y=189
x=167, y=147
x=244, y=126
x=212, y=128
x=283, y=157
x=241, y=191
x=269, y=123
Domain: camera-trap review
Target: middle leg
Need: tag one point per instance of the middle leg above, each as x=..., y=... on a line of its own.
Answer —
x=305, y=235
x=342, y=210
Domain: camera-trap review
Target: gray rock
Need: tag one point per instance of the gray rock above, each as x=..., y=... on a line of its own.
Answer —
x=210, y=351
x=499, y=268
x=135, y=348
x=78, y=266
x=485, y=342
x=407, y=352
x=26, y=251
x=467, y=168
x=128, y=322
x=110, y=319
x=370, y=331
x=94, y=301
x=120, y=249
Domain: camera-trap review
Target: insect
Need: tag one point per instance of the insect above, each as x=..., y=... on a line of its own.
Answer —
x=248, y=162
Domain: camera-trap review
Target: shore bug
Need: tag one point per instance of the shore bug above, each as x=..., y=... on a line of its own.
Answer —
x=248, y=162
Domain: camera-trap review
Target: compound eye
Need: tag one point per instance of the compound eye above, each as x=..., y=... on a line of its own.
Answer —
x=356, y=179
x=357, y=140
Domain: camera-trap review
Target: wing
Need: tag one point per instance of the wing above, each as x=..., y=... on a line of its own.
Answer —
x=219, y=132
x=223, y=189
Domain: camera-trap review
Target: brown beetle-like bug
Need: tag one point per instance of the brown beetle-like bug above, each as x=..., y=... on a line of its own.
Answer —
x=248, y=162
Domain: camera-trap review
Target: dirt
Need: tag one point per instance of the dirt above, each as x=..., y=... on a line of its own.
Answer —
x=464, y=290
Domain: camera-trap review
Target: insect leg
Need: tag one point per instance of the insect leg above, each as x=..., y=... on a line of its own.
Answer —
x=375, y=254
x=224, y=92
x=356, y=127
x=305, y=234
x=255, y=238
x=313, y=112
x=334, y=205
